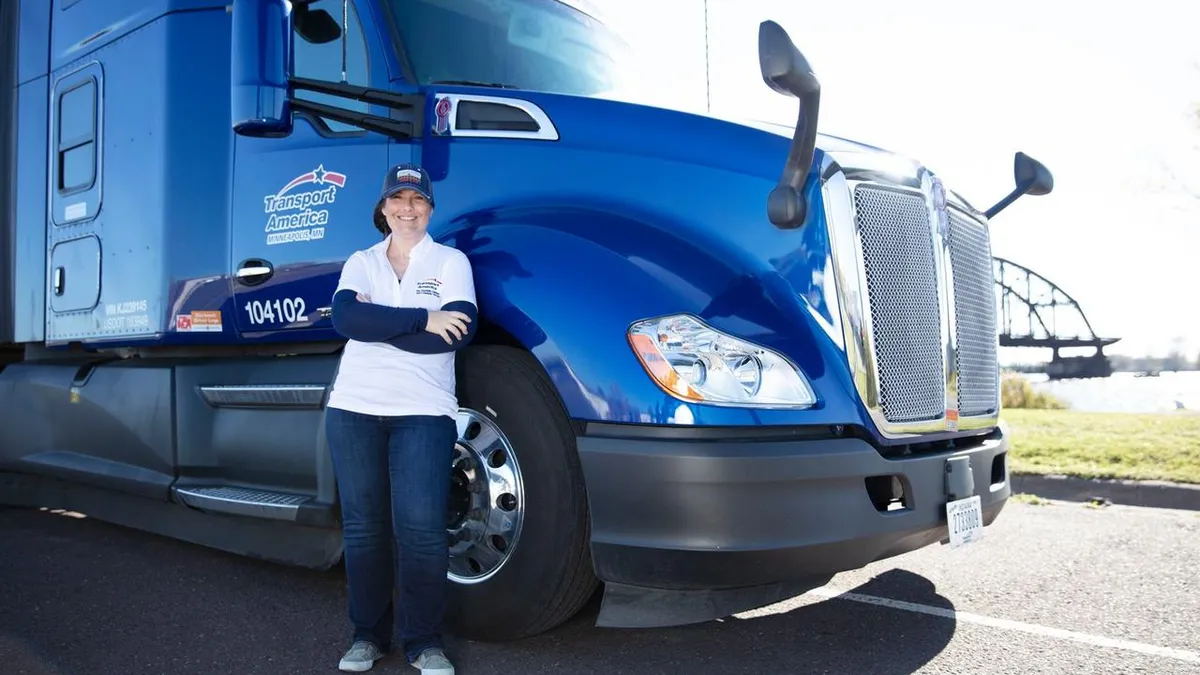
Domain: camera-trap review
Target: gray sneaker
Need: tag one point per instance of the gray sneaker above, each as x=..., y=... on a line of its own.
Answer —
x=434, y=662
x=361, y=657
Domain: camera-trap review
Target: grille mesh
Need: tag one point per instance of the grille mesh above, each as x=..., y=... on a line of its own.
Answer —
x=899, y=263
x=975, y=312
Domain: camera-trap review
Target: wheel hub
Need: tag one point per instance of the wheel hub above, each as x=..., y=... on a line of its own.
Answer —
x=486, y=505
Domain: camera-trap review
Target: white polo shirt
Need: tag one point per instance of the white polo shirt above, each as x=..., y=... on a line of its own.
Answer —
x=376, y=378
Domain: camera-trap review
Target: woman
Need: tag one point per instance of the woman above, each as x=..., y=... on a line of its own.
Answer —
x=405, y=304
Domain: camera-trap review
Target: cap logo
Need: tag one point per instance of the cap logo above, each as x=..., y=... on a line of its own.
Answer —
x=408, y=176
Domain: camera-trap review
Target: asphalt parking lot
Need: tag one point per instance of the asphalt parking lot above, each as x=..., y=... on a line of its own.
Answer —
x=1052, y=588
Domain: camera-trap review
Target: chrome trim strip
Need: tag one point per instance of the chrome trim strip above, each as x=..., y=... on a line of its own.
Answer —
x=851, y=281
x=546, y=129
x=841, y=173
x=243, y=501
x=939, y=231
x=289, y=396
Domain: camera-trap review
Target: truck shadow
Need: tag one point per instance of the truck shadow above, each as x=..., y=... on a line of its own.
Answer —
x=807, y=634
x=82, y=596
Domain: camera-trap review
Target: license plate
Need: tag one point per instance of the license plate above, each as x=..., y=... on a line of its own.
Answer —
x=965, y=520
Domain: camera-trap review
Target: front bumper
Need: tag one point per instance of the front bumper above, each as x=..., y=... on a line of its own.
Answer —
x=704, y=510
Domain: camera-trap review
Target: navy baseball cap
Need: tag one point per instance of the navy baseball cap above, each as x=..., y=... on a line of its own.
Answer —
x=407, y=177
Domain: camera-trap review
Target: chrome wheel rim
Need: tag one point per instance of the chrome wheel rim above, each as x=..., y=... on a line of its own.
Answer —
x=487, y=500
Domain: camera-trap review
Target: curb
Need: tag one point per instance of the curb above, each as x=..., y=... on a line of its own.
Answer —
x=1153, y=494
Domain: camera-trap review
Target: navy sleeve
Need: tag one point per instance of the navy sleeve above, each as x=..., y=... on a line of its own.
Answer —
x=367, y=322
x=423, y=342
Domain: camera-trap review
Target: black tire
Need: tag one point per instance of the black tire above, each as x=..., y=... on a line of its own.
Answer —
x=548, y=576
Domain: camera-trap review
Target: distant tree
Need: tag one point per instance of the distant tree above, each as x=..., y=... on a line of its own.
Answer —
x=1175, y=361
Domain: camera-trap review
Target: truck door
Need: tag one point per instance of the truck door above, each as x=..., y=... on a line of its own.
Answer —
x=75, y=193
x=302, y=204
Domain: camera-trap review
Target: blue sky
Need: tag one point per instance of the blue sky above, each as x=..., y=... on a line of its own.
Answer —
x=1104, y=98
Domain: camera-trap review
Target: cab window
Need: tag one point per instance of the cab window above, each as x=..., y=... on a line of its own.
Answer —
x=318, y=48
x=539, y=45
x=77, y=137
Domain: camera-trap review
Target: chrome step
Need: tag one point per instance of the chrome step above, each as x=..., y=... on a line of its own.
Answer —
x=310, y=396
x=243, y=501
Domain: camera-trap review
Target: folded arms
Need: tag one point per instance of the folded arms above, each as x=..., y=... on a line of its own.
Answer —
x=402, y=327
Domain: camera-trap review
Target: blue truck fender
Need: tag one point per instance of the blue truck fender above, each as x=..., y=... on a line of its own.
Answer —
x=566, y=282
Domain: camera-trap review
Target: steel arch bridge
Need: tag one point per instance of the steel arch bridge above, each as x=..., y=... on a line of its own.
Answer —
x=1036, y=312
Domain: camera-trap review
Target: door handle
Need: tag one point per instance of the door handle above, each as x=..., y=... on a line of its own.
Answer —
x=254, y=272
x=60, y=278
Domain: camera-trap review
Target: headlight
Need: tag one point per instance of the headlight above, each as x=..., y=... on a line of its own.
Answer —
x=697, y=363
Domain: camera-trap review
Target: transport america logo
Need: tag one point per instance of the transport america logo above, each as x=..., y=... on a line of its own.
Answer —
x=408, y=176
x=299, y=211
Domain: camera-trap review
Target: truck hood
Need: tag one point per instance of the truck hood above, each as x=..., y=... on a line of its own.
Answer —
x=746, y=145
x=825, y=142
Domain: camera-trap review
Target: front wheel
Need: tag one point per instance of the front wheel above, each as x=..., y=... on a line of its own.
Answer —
x=517, y=521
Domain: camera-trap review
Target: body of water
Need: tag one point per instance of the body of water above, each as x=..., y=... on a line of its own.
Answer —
x=1125, y=392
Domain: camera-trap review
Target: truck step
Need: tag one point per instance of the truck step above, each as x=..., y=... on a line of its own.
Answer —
x=310, y=396
x=245, y=501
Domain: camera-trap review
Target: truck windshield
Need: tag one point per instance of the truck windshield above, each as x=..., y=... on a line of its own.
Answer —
x=539, y=45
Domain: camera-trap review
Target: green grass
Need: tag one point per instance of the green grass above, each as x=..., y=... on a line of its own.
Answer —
x=1135, y=446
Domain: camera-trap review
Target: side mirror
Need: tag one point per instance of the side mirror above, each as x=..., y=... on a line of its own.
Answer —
x=260, y=66
x=316, y=25
x=786, y=71
x=1032, y=178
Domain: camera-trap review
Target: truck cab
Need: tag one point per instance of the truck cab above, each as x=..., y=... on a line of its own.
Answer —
x=718, y=362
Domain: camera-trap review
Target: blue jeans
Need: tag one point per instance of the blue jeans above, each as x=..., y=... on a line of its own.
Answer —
x=393, y=476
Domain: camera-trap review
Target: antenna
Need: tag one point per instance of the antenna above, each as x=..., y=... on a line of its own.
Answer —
x=707, y=76
x=345, y=12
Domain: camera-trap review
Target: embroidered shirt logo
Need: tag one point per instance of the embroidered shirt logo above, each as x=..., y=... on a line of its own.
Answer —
x=431, y=287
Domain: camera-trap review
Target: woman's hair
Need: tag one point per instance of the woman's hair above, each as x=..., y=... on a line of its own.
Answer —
x=380, y=221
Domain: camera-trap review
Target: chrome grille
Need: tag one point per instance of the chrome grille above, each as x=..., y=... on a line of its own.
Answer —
x=898, y=262
x=975, y=316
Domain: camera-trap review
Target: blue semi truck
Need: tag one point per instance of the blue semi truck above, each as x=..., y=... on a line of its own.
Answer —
x=717, y=362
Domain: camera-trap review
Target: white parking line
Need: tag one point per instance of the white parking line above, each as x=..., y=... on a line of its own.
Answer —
x=967, y=617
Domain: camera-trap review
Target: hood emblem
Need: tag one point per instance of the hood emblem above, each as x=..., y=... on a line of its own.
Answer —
x=940, y=211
